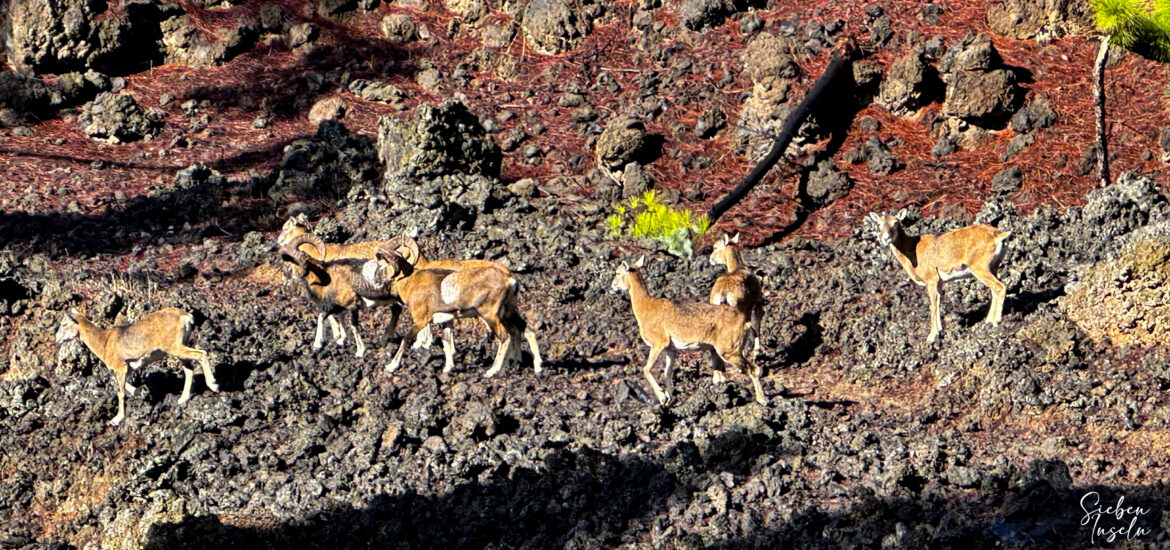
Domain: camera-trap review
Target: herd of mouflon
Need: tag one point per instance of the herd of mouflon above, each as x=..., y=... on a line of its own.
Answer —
x=339, y=280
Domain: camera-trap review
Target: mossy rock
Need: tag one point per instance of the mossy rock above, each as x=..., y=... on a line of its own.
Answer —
x=1126, y=298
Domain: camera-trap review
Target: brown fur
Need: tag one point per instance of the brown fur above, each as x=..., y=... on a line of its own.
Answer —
x=150, y=339
x=293, y=230
x=931, y=260
x=667, y=326
x=299, y=225
x=407, y=249
x=487, y=293
x=739, y=287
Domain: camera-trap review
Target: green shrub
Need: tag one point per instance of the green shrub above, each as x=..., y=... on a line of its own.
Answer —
x=645, y=216
x=1136, y=25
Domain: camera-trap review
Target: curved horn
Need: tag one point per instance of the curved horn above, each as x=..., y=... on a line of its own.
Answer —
x=300, y=258
x=392, y=262
x=387, y=254
x=405, y=247
x=308, y=238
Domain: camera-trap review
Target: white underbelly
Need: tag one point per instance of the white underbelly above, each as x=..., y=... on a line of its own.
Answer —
x=154, y=357
x=960, y=273
x=679, y=344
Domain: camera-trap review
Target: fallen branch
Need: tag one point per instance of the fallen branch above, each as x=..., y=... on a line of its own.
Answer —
x=841, y=59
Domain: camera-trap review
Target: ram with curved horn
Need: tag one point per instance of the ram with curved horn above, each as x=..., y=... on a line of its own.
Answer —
x=299, y=225
x=335, y=287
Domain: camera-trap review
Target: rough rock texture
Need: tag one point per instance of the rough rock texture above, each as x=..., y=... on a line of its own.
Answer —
x=872, y=439
x=1126, y=298
x=57, y=37
x=620, y=144
x=911, y=83
x=827, y=184
x=769, y=56
x=710, y=123
x=436, y=140
x=1042, y=19
x=762, y=116
x=331, y=451
x=301, y=34
x=554, y=26
x=981, y=97
x=399, y=28
x=335, y=8
x=48, y=37
x=878, y=157
x=769, y=63
x=980, y=89
x=272, y=18
x=1037, y=114
x=186, y=44
x=699, y=14
x=1007, y=181
x=381, y=92
x=77, y=88
x=470, y=10
x=973, y=53
x=116, y=117
x=330, y=108
x=28, y=97
x=326, y=165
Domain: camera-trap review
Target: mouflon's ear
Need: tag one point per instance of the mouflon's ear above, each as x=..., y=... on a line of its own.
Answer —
x=641, y=262
x=735, y=239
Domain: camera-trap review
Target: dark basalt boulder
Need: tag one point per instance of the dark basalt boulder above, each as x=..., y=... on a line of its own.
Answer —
x=436, y=140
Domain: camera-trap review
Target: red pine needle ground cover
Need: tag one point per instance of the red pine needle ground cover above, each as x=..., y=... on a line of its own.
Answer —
x=57, y=164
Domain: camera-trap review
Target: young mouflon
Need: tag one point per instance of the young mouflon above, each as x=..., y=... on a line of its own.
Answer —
x=931, y=260
x=739, y=287
x=668, y=326
x=148, y=340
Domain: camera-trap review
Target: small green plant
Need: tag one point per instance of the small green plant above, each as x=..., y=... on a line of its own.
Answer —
x=1141, y=26
x=645, y=216
x=1136, y=25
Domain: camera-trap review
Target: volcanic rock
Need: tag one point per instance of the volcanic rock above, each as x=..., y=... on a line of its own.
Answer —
x=399, y=28
x=436, y=140
x=620, y=144
x=326, y=165
x=116, y=117
x=910, y=84
x=555, y=26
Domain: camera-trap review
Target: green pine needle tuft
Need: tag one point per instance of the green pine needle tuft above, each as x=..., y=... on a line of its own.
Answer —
x=1136, y=25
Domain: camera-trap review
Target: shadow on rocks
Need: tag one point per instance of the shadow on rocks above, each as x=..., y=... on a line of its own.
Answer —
x=588, y=499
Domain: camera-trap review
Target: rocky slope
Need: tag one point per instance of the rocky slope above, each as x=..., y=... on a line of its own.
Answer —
x=873, y=438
